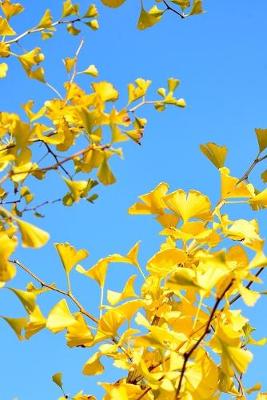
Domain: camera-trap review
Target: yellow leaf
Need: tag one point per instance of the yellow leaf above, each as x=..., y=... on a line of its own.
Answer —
x=264, y=176
x=57, y=378
x=46, y=20
x=31, y=235
x=93, y=366
x=149, y=18
x=3, y=70
x=215, y=153
x=26, y=298
x=79, y=334
x=259, y=201
x=69, y=8
x=70, y=256
x=93, y=24
x=164, y=262
x=262, y=396
x=11, y=9
x=110, y=322
x=97, y=272
x=137, y=90
x=91, y=12
x=81, y=396
x=232, y=188
x=240, y=358
x=72, y=30
x=128, y=291
x=5, y=28
x=247, y=232
x=113, y=3
x=262, y=138
x=7, y=247
x=105, y=91
x=36, y=323
x=105, y=174
x=191, y=205
x=197, y=7
x=69, y=63
x=17, y=324
x=152, y=202
x=4, y=50
x=250, y=297
x=60, y=317
x=183, y=277
x=91, y=70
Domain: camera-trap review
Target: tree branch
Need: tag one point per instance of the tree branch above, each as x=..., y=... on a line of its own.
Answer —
x=55, y=289
x=169, y=8
x=188, y=354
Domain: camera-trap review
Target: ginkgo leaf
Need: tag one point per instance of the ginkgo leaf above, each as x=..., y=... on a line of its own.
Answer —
x=3, y=70
x=264, y=176
x=149, y=18
x=105, y=91
x=183, y=277
x=232, y=188
x=5, y=28
x=197, y=7
x=152, y=202
x=7, y=247
x=110, y=322
x=18, y=325
x=113, y=3
x=60, y=317
x=259, y=201
x=57, y=379
x=127, y=292
x=78, y=333
x=31, y=235
x=27, y=299
x=70, y=256
x=36, y=322
x=97, y=272
x=93, y=366
x=46, y=20
x=81, y=396
x=262, y=138
x=164, y=262
x=91, y=12
x=189, y=205
x=69, y=8
x=249, y=296
x=11, y=9
x=105, y=174
x=215, y=153
x=240, y=358
x=91, y=70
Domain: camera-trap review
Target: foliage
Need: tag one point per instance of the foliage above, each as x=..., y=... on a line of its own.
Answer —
x=178, y=336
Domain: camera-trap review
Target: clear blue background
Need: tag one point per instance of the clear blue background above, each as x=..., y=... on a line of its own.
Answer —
x=221, y=59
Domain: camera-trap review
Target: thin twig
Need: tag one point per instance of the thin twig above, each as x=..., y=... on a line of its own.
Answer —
x=169, y=8
x=188, y=354
x=36, y=29
x=56, y=289
x=53, y=154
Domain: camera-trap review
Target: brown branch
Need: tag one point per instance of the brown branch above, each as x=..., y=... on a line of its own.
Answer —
x=55, y=289
x=247, y=286
x=50, y=151
x=257, y=160
x=36, y=29
x=169, y=8
x=189, y=353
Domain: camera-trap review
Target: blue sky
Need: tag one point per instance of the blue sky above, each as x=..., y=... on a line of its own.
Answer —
x=221, y=60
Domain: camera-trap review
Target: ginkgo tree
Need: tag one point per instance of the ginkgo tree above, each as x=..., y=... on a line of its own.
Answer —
x=177, y=335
